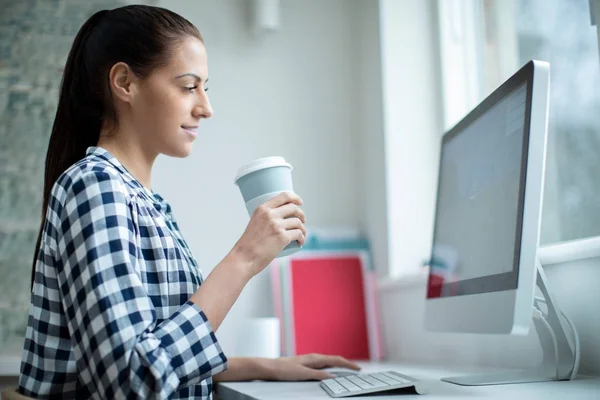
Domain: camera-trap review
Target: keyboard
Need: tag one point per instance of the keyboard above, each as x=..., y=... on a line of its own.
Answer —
x=363, y=383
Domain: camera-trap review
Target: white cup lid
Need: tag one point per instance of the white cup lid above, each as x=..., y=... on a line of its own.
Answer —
x=262, y=163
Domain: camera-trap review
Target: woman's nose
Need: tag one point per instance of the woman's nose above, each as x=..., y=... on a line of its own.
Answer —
x=203, y=109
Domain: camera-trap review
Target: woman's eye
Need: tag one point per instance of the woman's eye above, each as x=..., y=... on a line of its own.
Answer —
x=192, y=88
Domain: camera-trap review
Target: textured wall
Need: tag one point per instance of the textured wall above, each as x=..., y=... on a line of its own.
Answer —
x=35, y=37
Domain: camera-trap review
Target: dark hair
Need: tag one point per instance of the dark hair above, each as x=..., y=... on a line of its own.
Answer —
x=141, y=36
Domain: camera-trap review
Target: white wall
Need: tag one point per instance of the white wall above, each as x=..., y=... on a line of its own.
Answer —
x=293, y=93
x=573, y=285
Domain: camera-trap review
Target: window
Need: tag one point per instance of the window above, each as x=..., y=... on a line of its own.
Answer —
x=483, y=42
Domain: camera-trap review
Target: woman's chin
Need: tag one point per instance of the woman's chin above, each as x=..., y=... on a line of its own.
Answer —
x=181, y=151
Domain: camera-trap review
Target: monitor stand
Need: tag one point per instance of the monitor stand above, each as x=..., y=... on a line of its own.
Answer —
x=551, y=368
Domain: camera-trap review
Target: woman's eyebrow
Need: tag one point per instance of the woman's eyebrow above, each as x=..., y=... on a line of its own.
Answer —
x=192, y=75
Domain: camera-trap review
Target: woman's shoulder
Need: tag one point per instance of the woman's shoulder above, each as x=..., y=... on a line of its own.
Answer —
x=90, y=176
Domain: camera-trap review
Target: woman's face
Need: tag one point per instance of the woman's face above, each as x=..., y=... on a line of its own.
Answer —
x=170, y=103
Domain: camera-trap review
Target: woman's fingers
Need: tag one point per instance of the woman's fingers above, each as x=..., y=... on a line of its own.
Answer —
x=326, y=361
x=290, y=210
x=297, y=235
x=294, y=223
x=318, y=374
x=284, y=198
x=289, y=369
x=338, y=361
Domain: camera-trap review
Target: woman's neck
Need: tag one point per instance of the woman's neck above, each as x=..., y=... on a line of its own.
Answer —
x=129, y=153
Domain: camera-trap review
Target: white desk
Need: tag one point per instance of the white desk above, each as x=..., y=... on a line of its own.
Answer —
x=581, y=388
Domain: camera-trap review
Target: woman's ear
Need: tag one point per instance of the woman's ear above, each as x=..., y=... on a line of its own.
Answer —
x=121, y=81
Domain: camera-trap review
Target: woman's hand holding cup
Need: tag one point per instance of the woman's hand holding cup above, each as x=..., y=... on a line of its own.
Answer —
x=276, y=227
x=273, y=226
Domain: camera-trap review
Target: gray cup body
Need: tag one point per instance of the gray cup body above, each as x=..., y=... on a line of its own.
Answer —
x=259, y=186
x=263, y=181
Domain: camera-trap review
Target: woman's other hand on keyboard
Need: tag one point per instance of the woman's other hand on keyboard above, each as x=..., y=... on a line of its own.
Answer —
x=305, y=367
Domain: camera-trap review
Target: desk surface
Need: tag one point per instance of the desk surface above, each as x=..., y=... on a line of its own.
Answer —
x=581, y=388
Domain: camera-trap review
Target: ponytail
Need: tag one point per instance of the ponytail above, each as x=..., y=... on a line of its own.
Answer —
x=76, y=124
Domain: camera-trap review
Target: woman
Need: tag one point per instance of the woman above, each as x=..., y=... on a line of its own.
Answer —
x=119, y=307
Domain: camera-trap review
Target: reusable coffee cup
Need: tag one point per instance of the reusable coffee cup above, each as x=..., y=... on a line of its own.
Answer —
x=262, y=179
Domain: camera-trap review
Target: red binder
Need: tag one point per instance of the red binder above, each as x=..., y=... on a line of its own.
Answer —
x=326, y=301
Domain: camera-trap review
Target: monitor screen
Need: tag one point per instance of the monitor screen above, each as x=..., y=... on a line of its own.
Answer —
x=477, y=232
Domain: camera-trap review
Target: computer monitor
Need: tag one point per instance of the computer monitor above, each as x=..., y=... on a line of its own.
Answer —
x=483, y=265
x=488, y=210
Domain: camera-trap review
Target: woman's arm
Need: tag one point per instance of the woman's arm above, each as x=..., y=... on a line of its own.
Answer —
x=272, y=226
x=222, y=287
x=244, y=369
x=297, y=368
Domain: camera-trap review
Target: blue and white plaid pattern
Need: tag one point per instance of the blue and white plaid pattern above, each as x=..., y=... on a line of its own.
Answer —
x=110, y=315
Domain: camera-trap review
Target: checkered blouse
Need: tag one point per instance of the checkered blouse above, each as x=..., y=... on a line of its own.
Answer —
x=109, y=314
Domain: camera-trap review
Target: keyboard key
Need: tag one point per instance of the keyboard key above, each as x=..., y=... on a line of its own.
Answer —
x=347, y=384
x=387, y=379
x=335, y=387
x=396, y=377
x=401, y=377
x=360, y=382
x=373, y=381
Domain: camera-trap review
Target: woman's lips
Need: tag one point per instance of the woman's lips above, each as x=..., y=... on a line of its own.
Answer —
x=191, y=130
